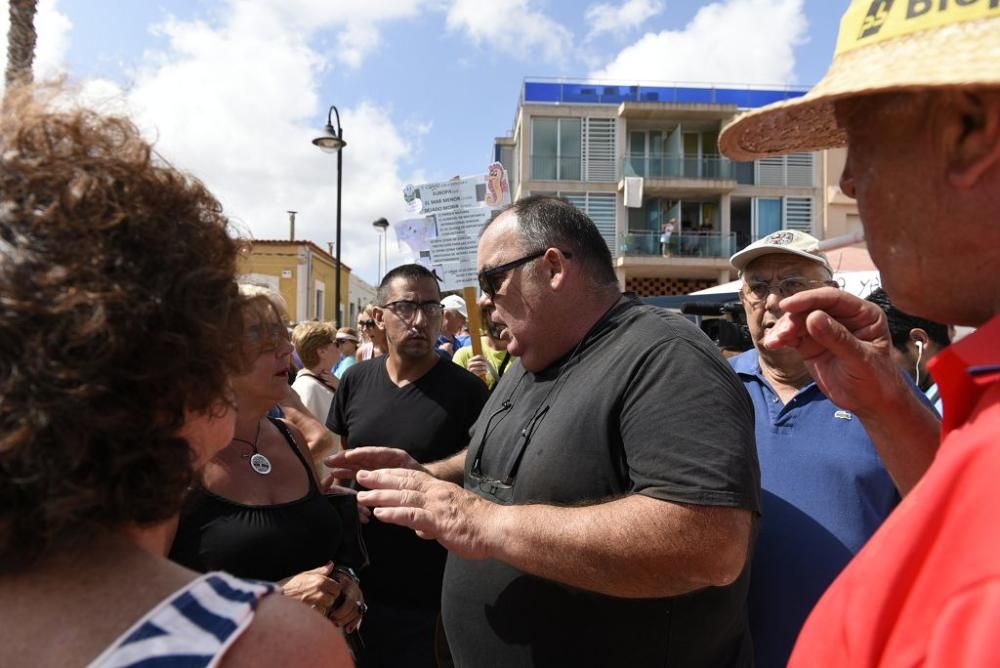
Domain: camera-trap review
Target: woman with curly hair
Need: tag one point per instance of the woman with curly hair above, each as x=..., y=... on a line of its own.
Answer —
x=257, y=509
x=118, y=316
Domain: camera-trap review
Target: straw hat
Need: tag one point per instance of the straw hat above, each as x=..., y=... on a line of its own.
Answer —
x=883, y=45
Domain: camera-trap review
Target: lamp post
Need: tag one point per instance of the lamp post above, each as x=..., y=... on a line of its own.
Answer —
x=333, y=142
x=381, y=225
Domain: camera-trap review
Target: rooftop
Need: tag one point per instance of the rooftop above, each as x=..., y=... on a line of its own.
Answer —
x=297, y=242
x=563, y=91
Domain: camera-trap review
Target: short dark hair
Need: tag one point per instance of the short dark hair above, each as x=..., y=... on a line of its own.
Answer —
x=552, y=222
x=120, y=315
x=901, y=323
x=409, y=272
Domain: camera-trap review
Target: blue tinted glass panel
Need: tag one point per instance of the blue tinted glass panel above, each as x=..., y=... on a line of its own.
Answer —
x=695, y=95
x=768, y=217
x=580, y=93
x=541, y=92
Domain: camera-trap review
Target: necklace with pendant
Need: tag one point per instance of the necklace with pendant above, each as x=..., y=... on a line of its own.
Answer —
x=258, y=462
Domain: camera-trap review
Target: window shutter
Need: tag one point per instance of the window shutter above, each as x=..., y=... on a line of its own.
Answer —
x=600, y=207
x=799, y=214
x=800, y=169
x=599, y=150
x=771, y=171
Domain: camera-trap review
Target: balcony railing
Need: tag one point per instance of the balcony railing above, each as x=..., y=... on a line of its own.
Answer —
x=685, y=244
x=663, y=166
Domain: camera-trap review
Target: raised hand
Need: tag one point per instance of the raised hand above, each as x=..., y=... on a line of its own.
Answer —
x=462, y=522
x=346, y=463
x=845, y=343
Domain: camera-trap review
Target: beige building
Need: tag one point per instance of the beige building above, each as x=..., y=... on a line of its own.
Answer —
x=642, y=160
x=303, y=273
x=361, y=294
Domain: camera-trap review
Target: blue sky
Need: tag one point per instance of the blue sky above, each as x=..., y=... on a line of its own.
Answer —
x=234, y=90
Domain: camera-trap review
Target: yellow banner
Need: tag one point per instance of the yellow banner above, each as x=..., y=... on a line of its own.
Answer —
x=872, y=21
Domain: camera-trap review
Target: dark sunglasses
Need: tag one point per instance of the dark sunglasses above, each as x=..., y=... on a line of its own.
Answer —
x=366, y=324
x=490, y=279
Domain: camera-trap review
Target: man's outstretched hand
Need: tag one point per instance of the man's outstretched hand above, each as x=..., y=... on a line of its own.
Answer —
x=462, y=522
x=345, y=464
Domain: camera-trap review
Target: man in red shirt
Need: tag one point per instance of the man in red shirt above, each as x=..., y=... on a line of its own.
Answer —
x=914, y=93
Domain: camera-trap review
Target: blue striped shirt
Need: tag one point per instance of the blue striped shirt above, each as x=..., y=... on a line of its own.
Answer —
x=192, y=628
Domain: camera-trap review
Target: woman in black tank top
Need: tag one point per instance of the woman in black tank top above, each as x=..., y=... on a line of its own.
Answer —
x=257, y=510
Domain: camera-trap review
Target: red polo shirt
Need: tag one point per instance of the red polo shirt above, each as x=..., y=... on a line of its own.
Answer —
x=925, y=590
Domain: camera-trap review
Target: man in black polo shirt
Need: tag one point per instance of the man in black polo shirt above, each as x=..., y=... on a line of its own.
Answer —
x=611, y=483
x=414, y=400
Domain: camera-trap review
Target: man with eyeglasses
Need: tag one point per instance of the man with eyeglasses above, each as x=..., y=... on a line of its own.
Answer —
x=825, y=488
x=413, y=400
x=611, y=484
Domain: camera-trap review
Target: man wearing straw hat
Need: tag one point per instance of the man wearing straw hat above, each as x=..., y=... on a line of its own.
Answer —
x=914, y=93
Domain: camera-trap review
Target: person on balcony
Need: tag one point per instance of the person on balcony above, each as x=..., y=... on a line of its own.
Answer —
x=668, y=229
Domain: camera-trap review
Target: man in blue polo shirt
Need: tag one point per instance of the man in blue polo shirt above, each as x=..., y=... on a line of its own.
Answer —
x=825, y=490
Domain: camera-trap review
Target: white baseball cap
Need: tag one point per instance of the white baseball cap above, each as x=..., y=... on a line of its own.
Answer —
x=791, y=242
x=455, y=303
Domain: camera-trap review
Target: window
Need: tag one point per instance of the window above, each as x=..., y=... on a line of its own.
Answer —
x=768, y=216
x=319, y=305
x=777, y=213
x=556, y=149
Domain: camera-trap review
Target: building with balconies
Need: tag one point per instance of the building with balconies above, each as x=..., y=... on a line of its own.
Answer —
x=637, y=158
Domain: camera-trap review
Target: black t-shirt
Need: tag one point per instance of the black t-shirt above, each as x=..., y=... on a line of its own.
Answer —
x=430, y=419
x=645, y=404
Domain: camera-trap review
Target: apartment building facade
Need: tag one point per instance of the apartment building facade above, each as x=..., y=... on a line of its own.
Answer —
x=643, y=163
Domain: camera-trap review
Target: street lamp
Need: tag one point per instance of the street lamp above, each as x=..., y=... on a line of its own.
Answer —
x=333, y=142
x=381, y=225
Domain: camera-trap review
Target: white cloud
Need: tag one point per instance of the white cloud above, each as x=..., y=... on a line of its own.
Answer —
x=53, y=39
x=515, y=28
x=608, y=18
x=730, y=42
x=357, y=21
x=238, y=103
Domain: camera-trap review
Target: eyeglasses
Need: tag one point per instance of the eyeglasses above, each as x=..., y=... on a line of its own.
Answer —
x=490, y=279
x=366, y=324
x=786, y=287
x=268, y=336
x=406, y=309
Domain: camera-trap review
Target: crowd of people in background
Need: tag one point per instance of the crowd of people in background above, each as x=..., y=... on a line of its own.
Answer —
x=187, y=479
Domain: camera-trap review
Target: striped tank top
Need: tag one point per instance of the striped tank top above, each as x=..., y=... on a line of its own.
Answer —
x=193, y=627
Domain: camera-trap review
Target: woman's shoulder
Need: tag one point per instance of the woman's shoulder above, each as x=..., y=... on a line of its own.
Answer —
x=286, y=632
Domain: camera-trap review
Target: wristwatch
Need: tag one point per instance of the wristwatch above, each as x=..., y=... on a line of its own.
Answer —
x=349, y=572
